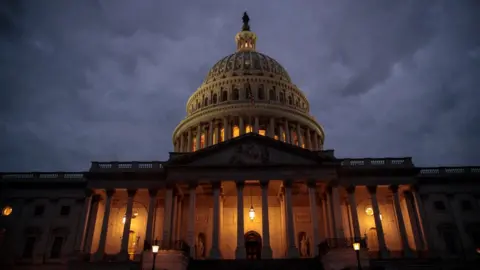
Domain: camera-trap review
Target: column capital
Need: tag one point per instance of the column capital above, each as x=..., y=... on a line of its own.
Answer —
x=393, y=188
x=216, y=185
x=415, y=187
x=350, y=189
x=153, y=192
x=240, y=183
x=372, y=189
x=96, y=198
x=110, y=192
x=131, y=192
x=88, y=192
x=311, y=183
x=407, y=193
x=264, y=183
x=288, y=183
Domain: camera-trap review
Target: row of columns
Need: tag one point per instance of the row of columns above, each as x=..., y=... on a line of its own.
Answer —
x=285, y=132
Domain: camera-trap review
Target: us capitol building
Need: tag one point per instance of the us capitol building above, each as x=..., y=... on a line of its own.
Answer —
x=248, y=186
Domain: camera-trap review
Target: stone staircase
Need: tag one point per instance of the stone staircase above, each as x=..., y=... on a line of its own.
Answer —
x=264, y=264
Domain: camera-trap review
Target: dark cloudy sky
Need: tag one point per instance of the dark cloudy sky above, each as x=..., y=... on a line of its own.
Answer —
x=108, y=79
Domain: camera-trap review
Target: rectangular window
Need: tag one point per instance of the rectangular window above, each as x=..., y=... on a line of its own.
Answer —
x=39, y=210
x=65, y=210
x=28, y=248
x=56, y=248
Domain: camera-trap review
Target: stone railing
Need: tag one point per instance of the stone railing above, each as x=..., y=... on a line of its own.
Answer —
x=126, y=166
x=374, y=162
x=35, y=175
x=441, y=171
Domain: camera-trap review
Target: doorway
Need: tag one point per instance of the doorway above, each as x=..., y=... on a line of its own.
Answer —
x=253, y=245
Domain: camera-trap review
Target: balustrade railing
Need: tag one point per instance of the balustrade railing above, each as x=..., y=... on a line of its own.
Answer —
x=448, y=171
x=360, y=162
x=56, y=175
x=134, y=165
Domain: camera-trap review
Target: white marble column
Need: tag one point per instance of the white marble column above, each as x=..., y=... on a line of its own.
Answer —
x=189, y=140
x=215, y=250
x=179, y=218
x=256, y=127
x=287, y=132
x=240, y=252
x=83, y=222
x=354, y=213
x=326, y=218
x=192, y=191
x=266, y=248
x=182, y=146
x=103, y=235
x=151, y=214
x=280, y=136
x=312, y=196
x=167, y=217
x=407, y=251
x=226, y=127
x=416, y=229
x=315, y=141
x=299, y=135
x=378, y=222
x=126, y=227
x=173, y=233
x=92, y=220
x=423, y=222
x=337, y=213
x=198, y=137
x=292, y=250
x=241, y=125
x=210, y=133
x=217, y=133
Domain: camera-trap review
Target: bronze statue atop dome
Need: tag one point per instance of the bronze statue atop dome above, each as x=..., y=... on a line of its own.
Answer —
x=245, y=19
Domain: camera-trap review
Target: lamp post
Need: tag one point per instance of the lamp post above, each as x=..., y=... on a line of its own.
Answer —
x=356, y=247
x=155, y=249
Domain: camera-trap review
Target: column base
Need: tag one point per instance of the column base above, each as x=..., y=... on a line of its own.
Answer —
x=240, y=253
x=123, y=256
x=267, y=252
x=384, y=254
x=408, y=253
x=98, y=256
x=292, y=253
x=214, y=253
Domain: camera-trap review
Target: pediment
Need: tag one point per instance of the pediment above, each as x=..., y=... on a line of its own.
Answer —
x=248, y=150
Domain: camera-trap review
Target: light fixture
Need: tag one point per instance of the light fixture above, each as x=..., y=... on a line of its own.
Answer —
x=251, y=213
x=155, y=249
x=369, y=211
x=7, y=210
x=381, y=218
x=356, y=246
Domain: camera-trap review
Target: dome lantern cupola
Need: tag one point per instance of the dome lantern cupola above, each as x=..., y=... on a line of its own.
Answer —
x=245, y=39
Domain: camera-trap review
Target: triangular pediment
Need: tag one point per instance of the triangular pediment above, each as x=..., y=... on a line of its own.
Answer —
x=248, y=150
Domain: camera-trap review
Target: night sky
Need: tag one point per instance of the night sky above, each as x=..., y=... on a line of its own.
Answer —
x=86, y=81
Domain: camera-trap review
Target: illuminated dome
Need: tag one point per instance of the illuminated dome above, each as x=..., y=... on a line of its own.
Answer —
x=247, y=91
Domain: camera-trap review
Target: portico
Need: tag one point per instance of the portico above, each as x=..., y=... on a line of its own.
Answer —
x=204, y=200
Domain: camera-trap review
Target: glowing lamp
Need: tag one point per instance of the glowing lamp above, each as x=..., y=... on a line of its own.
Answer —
x=155, y=249
x=356, y=246
x=251, y=213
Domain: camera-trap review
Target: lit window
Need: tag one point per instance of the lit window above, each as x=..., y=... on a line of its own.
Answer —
x=262, y=132
x=236, y=131
x=249, y=129
x=7, y=211
x=284, y=136
x=194, y=145
x=275, y=137
x=222, y=135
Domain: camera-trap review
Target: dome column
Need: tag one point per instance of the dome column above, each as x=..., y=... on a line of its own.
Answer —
x=280, y=130
x=189, y=140
x=271, y=128
x=210, y=133
x=182, y=147
x=299, y=135
x=198, y=136
x=309, y=139
x=241, y=125
x=315, y=141
x=287, y=132
x=256, y=126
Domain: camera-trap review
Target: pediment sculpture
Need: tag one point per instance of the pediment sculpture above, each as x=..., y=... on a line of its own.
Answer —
x=250, y=154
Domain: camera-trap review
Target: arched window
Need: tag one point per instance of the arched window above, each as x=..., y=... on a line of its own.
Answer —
x=191, y=107
x=290, y=100
x=235, y=94
x=261, y=92
x=297, y=103
x=248, y=91
x=224, y=95
x=214, y=98
x=205, y=102
x=271, y=94
x=198, y=104
x=282, y=97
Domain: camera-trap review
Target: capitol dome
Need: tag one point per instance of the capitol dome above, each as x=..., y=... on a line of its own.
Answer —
x=247, y=91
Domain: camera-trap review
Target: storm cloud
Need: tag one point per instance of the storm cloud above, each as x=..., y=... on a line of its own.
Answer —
x=108, y=80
